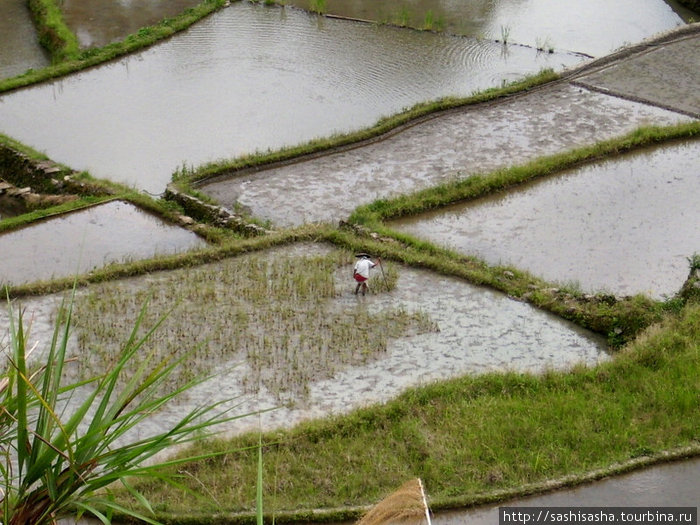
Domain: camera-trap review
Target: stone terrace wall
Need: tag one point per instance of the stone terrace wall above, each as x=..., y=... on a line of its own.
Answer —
x=21, y=170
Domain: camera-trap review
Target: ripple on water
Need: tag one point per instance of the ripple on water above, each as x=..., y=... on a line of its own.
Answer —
x=247, y=78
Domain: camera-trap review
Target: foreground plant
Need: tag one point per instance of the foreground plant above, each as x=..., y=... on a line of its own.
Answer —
x=63, y=447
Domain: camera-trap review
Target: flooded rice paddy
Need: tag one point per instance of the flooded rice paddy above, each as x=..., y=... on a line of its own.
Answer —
x=595, y=27
x=667, y=485
x=249, y=78
x=19, y=43
x=455, y=145
x=626, y=225
x=477, y=331
x=666, y=77
x=252, y=78
x=99, y=22
x=77, y=242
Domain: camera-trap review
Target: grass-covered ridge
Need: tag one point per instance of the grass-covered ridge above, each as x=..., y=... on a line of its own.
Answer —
x=473, y=439
x=54, y=35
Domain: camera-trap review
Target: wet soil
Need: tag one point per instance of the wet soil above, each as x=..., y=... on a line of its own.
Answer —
x=666, y=71
x=77, y=242
x=626, y=225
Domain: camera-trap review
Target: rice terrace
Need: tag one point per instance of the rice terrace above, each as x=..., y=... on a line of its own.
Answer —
x=191, y=196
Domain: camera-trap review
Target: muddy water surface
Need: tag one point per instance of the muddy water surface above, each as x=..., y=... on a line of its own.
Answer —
x=19, y=43
x=479, y=331
x=80, y=241
x=595, y=27
x=249, y=78
x=464, y=142
x=99, y=22
x=625, y=225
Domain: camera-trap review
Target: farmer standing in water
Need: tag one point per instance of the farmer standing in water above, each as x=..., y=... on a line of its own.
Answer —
x=361, y=271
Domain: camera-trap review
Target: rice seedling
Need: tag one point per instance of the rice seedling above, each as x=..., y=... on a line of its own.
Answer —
x=278, y=312
x=505, y=34
x=317, y=6
x=403, y=18
x=433, y=23
x=429, y=20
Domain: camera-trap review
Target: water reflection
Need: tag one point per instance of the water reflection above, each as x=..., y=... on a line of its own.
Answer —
x=80, y=241
x=248, y=78
x=99, y=22
x=625, y=225
x=595, y=27
x=19, y=42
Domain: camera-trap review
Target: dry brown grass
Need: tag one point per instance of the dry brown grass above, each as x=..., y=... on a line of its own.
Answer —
x=406, y=505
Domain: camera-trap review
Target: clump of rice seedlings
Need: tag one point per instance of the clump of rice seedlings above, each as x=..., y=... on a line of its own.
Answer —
x=384, y=278
x=403, y=18
x=317, y=6
x=431, y=23
x=277, y=312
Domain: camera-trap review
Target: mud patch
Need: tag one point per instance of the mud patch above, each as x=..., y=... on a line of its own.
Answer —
x=464, y=142
x=663, y=76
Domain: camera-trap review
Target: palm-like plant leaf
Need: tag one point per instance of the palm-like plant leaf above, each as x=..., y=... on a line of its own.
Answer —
x=51, y=465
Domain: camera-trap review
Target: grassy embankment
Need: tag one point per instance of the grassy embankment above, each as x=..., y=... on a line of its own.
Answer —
x=67, y=57
x=472, y=440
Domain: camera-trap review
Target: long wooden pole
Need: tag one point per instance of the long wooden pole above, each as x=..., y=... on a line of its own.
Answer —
x=425, y=503
x=382, y=269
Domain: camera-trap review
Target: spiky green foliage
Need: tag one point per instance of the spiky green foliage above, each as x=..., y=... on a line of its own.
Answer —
x=59, y=457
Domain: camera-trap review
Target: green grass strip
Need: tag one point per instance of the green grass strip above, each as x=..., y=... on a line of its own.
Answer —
x=473, y=439
x=56, y=37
